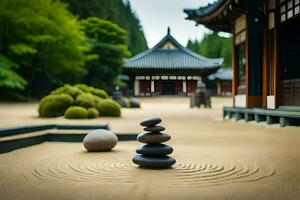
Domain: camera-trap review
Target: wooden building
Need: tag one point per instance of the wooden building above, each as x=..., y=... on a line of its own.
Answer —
x=168, y=69
x=266, y=49
x=221, y=82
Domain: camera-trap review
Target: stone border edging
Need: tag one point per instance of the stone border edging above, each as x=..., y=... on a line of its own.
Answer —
x=10, y=145
x=34, y=128
x=16, y=143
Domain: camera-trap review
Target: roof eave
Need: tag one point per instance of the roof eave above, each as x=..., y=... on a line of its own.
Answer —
x=171, y=71
x=218, y=18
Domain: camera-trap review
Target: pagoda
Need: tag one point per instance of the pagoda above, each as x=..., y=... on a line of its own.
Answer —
x=168, y=69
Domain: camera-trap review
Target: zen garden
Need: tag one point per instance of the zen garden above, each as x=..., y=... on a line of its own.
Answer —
x=140, y=99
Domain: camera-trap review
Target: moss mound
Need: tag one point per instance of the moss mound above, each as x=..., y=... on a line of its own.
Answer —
x=78, y=102
x=68, y=89
x=54, y=105
x=93, y=113
x=99, y=93
x=76, y=112
x=86, y=100
x=109, y=107
x=83, y=87
x=95, y=91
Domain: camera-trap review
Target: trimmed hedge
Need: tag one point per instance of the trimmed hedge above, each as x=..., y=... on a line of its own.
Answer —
x=99, y=93
x=76, y=112
x=86, y=100
x=78, y=102
x=83, y=87
x=93, y=113
x=54, y=105
x=95, y=91
x=109, y=107
x=68, y=89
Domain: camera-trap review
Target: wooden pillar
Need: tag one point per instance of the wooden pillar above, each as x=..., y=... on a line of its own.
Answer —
x=136, y=88
x=265, y=69
x=247, y=64
x=234, y=70
x=184, y=86
x=219, y=91
x=152, y=86
x=254, y=52
x=277, y=79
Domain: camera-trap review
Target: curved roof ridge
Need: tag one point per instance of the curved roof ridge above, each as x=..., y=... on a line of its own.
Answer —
x=138, y=56
x=172, y=58
x=188, y=51
x=216, y=61
x=222, y=74
x=205, y=10
x=142, y=54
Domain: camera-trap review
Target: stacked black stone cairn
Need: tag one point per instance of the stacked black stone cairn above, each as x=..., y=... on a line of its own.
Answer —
x=153, y=154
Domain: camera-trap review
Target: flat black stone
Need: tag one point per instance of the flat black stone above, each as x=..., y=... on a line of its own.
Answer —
x=154, y=128
x=150, y=121
x=154, y=161
x=155, y=150
x=152, y=138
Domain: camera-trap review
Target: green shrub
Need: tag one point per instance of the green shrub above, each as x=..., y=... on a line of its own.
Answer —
x=86, y=100
x=93, y=113
x=95, y=91
x=97, y=100
x=81, y=95
x=83, y=87
x=100, y=93
x=76, y=112
x=68, y=89
x=59, y=90
x=54, y=105
x=108, y=107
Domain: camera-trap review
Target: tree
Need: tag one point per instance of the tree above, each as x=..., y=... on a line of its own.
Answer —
x=44, y=39
x=109, y=43
x=213, y=46
x=9, y=79
x=116, y=11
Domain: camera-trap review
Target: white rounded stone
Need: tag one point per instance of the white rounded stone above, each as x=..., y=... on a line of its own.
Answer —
x=100, y=140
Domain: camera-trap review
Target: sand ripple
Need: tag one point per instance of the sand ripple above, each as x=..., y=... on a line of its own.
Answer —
x=118, y=168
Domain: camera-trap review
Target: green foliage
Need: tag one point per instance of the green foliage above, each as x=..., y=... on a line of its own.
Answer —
x=68, y=89
x=99, y=93
x=61, y=99
x=95, y=91
x=8, y=77
x=83, y=87
x=109, y=41
x=76, y=112
x=44, y=39
x=86, y=100
x=93, y=113
x=117, y=12
x=54, y=105
x=22, y=49
x=109, y=107
x=213, y=46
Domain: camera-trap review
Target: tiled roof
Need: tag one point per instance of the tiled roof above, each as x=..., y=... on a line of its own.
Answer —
x=217, y=16
x=222, y=74
x=179, y=58
x=206, y=10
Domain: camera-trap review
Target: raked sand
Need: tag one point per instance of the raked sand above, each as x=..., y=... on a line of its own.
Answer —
x=216, y=159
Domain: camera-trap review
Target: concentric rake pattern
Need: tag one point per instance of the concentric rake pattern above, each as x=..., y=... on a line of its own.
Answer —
x=117, y=167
